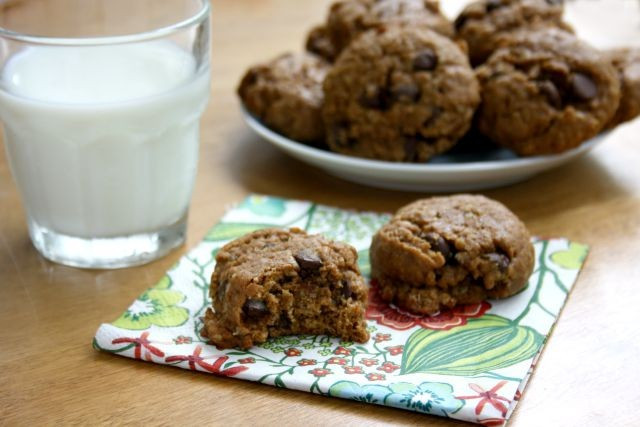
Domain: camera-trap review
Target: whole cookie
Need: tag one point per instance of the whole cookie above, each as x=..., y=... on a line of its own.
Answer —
x=319, y=43
x=286, y=95
x=400, y=95
x=444, y=251
x=277, y=282
x=627, y=63
x=545, y=93
x=483, y=24
x=349, y=18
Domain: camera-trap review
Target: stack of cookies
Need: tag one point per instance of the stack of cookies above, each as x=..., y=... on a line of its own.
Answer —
x=395, y=80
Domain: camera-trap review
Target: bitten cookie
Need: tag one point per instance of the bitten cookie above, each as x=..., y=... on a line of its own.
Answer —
x=627, y=63
x=402, y=95
x=483, y=24
x=286, y=95
x=277, y=282
x=444, y=251
x=319, y=43
x=349, y=18
x=546, y=93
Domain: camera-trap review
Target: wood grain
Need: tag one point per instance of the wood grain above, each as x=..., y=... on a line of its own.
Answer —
x=49, y=373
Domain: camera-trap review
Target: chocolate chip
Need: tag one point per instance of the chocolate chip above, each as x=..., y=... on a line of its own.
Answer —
x=309, y=262
x=346, y=289
x=583, y=87
x=500, y=260
x=438, y=244
x=493, y=5
x=255, y=309
x=426, y=60
x=550, y=91
x=555, y=2
x=408, y=92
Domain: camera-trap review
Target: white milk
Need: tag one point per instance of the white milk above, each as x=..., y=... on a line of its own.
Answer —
x=103, y=141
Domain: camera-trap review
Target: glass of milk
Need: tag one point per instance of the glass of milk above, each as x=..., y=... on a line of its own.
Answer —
x=101, y=102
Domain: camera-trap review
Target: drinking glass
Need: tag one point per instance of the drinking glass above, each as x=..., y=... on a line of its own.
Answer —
x=101, y=102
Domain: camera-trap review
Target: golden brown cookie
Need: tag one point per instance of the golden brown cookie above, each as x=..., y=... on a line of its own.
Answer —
x=286, y=95
x=349, y=18
x=402, y=95
x=545, y=93
x=484, y=24
x=277, y=282
x=444, y=251
x=627, y=63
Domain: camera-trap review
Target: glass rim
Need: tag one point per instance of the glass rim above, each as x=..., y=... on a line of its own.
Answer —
x=196, y=18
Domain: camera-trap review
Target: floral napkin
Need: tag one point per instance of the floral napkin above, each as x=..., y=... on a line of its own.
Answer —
x=470, y=363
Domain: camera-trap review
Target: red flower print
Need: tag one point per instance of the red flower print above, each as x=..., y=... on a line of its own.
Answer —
x=195, y=359
x=247, y=360
x=353, y=370
x=490, y=397
x=398, y=319
x=369, y=362
x=395, y=350
x=181, y=339
x=292, y=352
x=492, y=422
x=319, y=372
x=388, y=367
x=337, y=361
x=375, y=377
x=307, y=362
x=343, y=351
x=139, y=343
x=382, y=337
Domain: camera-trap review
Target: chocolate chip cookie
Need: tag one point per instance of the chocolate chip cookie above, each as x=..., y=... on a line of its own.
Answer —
x=277, y=282
x=319, y=43
x=444, y=251
x=627, y=63
x=399, y=94
x=484, y=24
x=546, y=93
x=286, y=95
x=349, y=18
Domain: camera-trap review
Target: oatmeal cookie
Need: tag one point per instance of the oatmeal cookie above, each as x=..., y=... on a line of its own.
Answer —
x=349, y=18
x=286, y=95
x=484, y=24
x=399, y=94
x=545, y=93
x=277, y=282
x=444, y=251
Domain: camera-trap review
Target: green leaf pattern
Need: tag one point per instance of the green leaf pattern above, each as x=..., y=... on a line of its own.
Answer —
x=157, y=306
x=490, y=342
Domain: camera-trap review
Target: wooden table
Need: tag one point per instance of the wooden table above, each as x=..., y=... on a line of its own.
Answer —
x=588, y=374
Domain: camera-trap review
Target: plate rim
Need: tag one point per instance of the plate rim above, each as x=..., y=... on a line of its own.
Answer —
x=385, y=166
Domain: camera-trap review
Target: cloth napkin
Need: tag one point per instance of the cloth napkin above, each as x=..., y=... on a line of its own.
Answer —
x=470, y=363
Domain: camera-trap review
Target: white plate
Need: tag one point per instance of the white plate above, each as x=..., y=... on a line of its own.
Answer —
x=445, y=173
